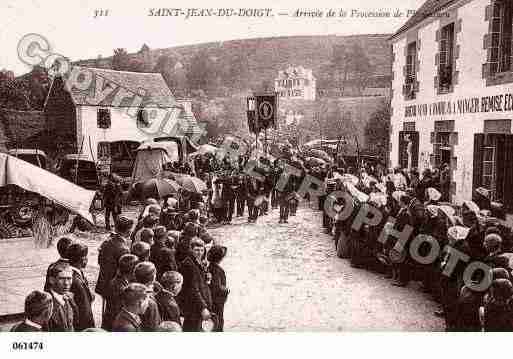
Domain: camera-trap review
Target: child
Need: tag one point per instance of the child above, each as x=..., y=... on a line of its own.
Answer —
x=134, y=301
x=218, y=283
x=171, y=282
x=38, y=311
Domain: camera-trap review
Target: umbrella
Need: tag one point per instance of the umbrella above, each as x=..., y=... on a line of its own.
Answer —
x=192, y=184
x=204, y=149
x=158, y=187
x=314, y=161
x=319, y=154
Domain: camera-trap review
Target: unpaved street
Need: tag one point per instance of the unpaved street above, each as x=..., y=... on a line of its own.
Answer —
x=283, y=277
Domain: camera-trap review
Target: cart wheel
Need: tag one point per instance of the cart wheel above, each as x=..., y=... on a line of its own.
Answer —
x=7, y=230
x=22, y=213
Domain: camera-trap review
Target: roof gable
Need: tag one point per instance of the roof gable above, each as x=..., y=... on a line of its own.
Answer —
x=152, y=85
x=427, y=9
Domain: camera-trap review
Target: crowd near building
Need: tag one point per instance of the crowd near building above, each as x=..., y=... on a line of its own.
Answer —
x=452, y=101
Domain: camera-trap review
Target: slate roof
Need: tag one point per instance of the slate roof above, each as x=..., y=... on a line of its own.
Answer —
x=20, y=127
x=157, y=92
x=427, y=9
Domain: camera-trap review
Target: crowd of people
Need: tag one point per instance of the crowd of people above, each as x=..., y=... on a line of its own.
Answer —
x=159, y=275
x=421, y=202
x=150, y=279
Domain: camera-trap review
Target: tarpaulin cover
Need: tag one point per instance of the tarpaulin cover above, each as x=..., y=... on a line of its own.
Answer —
x=35, y=179
x=149, y=164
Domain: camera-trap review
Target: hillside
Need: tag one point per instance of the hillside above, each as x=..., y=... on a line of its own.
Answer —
x=264, y=57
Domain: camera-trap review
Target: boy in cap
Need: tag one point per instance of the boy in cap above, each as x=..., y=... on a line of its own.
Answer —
x=109, y=253
x=64, y=307
x=38, y=311
x=217, y=284
x=145, y=273
x=171, y=282
x=82, y=295
x=134, y=301
x=62, y=247
x=123, y=277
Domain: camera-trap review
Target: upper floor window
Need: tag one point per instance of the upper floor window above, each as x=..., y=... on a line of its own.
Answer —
x=445, y=68
x=501, y=29
x=411, y=70
x=103, y=118
x=142, y=119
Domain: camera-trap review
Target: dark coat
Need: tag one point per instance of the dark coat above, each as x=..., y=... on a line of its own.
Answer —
x=25, y=327
x=151, y=318
x=125, y=322
x=108, y=256
x=217, y=286
x=168, y=307
x=195, y=295
x=112, y=196
x=63, y=318
x=113, y=301
x=83, y=298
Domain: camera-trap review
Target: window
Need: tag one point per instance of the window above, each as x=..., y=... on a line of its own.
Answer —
x=501, y=29
x=103, y=150
x=103, y=118
x=442, y=149
x=488, y=176
x=142, y=119
x=411, y=71
x=445, y=67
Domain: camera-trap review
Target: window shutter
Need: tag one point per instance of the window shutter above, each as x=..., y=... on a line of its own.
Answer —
x=508, y=171
x=500, y=169
x=432, y=137
x=415, y=149
x=402, y=150
x=488, y=12
x=478, y=160
x=437, y=35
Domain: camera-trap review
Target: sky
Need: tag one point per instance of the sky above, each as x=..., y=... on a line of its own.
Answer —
x=72, y=30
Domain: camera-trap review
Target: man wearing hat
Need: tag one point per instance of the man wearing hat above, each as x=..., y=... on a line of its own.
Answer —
x=112, y=200
x=38, y=311
x=217, y=285
x=195, y=298
x=82, y=295
x=109, y=253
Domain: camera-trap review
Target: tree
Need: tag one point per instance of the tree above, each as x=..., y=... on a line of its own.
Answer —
x=165, y=66
x=201, y=72
x=120, y=60
x=377, y=131
x=350, y=66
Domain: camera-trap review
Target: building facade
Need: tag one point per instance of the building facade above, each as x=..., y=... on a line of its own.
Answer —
x=452, y=95
x=296, y=83
x=109, y=113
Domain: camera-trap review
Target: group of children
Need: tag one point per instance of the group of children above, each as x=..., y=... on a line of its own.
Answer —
x=147, y=281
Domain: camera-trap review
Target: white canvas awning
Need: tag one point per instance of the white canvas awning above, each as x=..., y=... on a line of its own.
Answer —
x=35, y=179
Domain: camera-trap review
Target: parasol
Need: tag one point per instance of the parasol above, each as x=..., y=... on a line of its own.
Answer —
x=192, y=184
x=158, y=187
x=314, y=161
x=319, y=154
